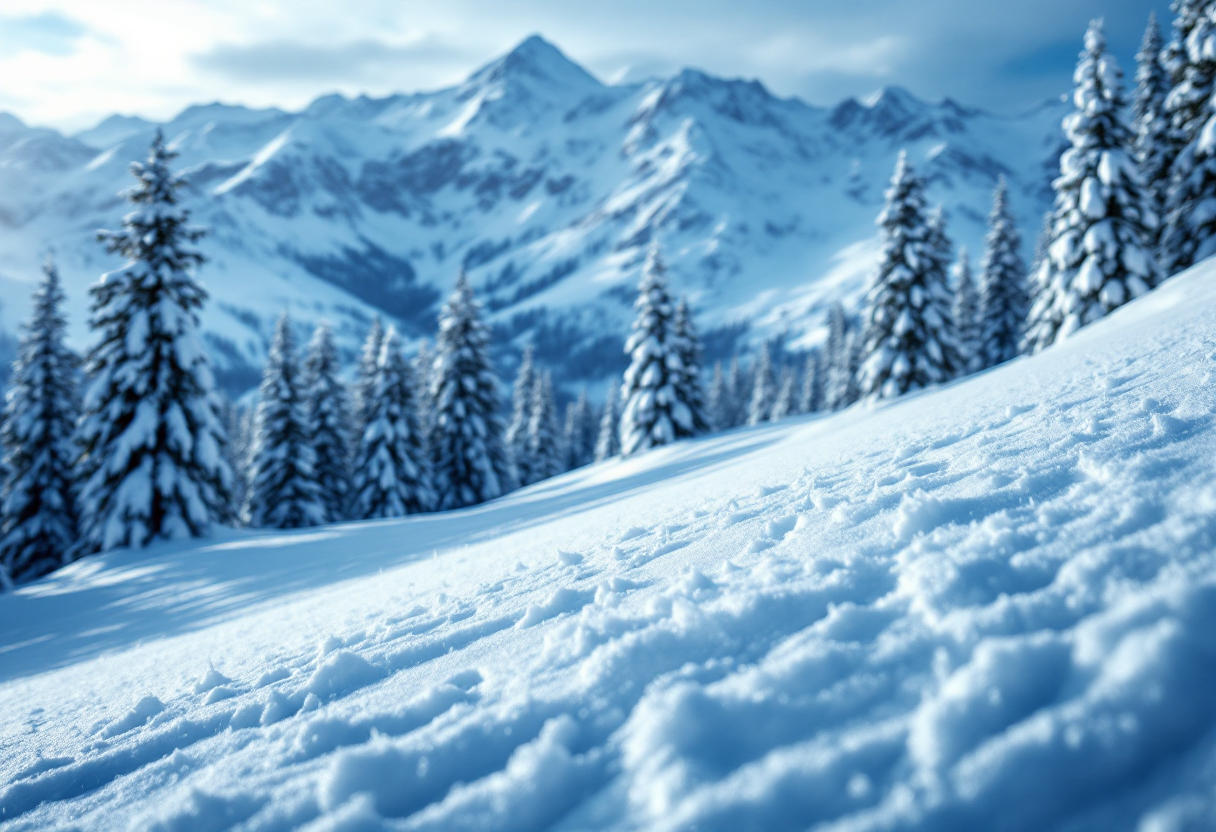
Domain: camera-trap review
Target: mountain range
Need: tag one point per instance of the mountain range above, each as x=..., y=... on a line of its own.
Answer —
x=541, y=182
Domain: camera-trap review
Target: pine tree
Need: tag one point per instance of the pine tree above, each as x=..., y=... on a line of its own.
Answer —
x=151, y=433
x=764, y=388
x=392, y=476
x=521, y=410
x=327, y=417
x=1151, y=126
x=1190, y=59
x=811, y=399
x=1099, y=257
x=786, y=403
x=720, y=407
x=836, y=360
x=737, y=386
x=42, y=404
x=283, y=489
x=471, y=464
x=578, y=437
x=424, y=359
x=653, y=413
x=966, y=312
x=608, y=441
x=544, y=436
x=855, y=353
x=689, y=387
x=238, y=425
x=1003, y=300
x=365, y=374
x=909, y=340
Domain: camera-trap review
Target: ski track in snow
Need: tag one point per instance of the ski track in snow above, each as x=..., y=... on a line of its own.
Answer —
x=985, y=607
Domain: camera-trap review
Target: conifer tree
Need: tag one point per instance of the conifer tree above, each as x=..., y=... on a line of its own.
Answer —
x=811, y=397
x=909, y=340
x=719, y=405
x=764, y=389
x=365, y=374
x=966, y=312
x=608, y=441
x=424, y=359
x=544, y=435
x=327, y=416
x=238, y=425
x=1190, y=60
x=471, y=464
x=1003, y=300
x=579, y=435
x=855, y=352
x=653, y=413
x=738, y=390
x=786, y=402
x=836, y=360
x=1151, y=126
x=521, y=412
x=392, y=476
x=689, y=386
x=283, y=489
x=151, y=434
x=1099, y=257
x=41, y=408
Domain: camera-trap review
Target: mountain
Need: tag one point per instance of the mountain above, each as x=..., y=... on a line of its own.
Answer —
x=985, y=607
x=545, y=184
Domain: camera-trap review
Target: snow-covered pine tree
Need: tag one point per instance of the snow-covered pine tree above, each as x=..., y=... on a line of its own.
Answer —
x=151, y=434
x=365, y=374
x=1099, y=257
x=1003, y=297
x=283, y=489
x=471, y=464
x=855, y=353
x=1189, y=224
x=836, y=360
x=327, y=417
x=521, y=411
x=608, y=441
x=909, y=337
x=653, y=414
x=424, y=359
x=719, y=405
x=238, y=425
x=689, y=385
x=966, y=312
x=578, y=437
x=1152, y=140
x=811, y=395
x=544, y=434
x=392, y=476
x=786, y=402
x=41, y=408
x=736, y=385
x=764, y=388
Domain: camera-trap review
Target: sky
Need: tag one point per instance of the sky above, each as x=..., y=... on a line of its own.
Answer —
x=69, y=63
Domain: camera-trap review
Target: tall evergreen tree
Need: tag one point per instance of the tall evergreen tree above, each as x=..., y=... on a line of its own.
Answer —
x=836, y=360
x=41, y=408
x=365, y=374
x=1099, y=257
x=855, y=353
x=1152, y=140
x=521, y=412
x=392, y=476
x=764, y=388
x=283, y=489
x=689, y=386
x=1003, y=300
x=608, y=441
x=471, y=464
x=1189, y=225
x=151, y=433
x=653, y=413
x=578, y=438
x=720, y=406
x=544, y=435
x=736, y=385
x=786, y=402
x=909, y=340
x=966, y=312
x=424, y=359
x=811, y=397
x=327, y=417
x=238, y=425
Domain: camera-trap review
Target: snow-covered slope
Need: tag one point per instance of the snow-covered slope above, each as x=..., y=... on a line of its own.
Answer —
x=542, y=182
x=986, y=607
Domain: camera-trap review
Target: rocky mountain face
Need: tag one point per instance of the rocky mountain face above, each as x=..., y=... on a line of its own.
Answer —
x=543, y=184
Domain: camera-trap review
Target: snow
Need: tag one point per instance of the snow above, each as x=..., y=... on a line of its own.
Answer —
x=989, y=606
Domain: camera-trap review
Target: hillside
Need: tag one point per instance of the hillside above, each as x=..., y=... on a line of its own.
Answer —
x=541, y=181
x=989, y=606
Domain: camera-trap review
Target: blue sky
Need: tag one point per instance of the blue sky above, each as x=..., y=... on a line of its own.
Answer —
x=79, y=60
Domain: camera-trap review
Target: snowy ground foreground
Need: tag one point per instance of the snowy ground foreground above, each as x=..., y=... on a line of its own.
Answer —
x=991, y=607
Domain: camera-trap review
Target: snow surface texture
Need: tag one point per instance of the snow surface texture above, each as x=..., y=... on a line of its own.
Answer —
x=546, y=185
x=987, y=607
